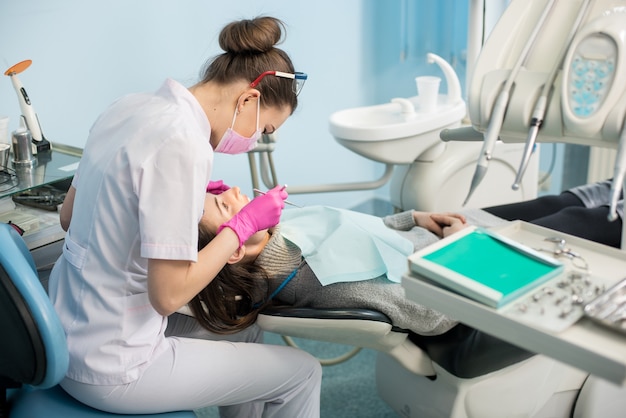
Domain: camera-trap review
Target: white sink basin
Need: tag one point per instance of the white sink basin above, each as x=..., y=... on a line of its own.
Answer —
x=384, y=133
x=399, y=132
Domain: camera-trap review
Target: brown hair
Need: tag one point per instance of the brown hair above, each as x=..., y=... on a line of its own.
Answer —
x=233, y=299
x=250, y=50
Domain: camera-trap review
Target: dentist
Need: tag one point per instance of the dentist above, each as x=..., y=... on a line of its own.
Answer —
x=130, y=258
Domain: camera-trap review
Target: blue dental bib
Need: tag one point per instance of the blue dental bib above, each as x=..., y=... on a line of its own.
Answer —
x=346, y=246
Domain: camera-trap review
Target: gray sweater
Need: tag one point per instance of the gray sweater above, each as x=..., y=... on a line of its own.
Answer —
x=280, y=257
x=598, y=194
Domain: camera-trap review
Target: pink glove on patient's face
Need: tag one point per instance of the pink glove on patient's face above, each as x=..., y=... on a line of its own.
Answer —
x=216, y=187
x=262, y=212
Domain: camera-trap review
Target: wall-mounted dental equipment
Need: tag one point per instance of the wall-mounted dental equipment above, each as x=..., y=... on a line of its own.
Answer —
x=577, y=95
x=29, y=118
x=406, y=137
x=594, y=83
x=394, y=133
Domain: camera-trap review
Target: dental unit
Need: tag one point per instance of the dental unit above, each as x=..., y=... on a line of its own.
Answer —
x=587, y=105
x=405, y=136
x=500, y=106
x=521, y=93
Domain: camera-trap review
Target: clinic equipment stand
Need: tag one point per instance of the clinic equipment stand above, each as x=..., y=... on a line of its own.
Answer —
x=267, y=169
x=58, y=164
x=55, y=167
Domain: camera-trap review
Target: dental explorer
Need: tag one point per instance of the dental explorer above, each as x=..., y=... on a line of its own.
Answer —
x=540, y=106
x=500, y=106
x=286, y=201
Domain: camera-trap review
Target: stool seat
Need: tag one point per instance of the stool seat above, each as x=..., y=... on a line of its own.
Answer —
x=56, y=403
x=33, y=353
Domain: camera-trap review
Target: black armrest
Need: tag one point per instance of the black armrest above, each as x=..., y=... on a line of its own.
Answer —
x=357, y=327
x=330, y=313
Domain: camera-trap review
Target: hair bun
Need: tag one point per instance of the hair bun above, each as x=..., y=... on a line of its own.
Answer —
x=256, y=35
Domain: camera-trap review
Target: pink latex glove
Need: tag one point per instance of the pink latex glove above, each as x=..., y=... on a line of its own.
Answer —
x=216, y=187
x=262, y=212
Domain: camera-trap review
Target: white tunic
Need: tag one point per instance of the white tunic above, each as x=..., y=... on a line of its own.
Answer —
x=140, y=194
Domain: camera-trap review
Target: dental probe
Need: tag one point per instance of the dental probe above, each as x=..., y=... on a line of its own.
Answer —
x=542, y=103
x=286, y=201
x=499, y=109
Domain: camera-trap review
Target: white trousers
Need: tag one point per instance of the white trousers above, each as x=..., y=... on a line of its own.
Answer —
x=245, y=378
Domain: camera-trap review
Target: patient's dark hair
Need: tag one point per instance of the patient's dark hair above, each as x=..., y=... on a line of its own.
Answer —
x=230, y=303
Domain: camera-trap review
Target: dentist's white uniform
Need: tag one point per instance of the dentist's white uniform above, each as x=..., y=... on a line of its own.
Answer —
x=140, y=194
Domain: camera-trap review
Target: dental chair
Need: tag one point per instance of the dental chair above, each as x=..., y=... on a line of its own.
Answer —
x=33, y=352
x=517, y=95
x=474, y=375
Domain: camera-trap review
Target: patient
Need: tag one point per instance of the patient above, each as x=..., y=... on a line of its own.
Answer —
x=267, y=259
x=264, y=263
x=581, y=211
x=338, y=240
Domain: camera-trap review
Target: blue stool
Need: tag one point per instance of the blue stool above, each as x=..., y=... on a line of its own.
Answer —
x=55, y=402
x=33, y=352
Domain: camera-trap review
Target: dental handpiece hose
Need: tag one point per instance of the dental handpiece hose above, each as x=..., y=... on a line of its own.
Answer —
x=618, y=175
x=495, y=124
x=533, y=131
x=541, y=105
x=499, y=109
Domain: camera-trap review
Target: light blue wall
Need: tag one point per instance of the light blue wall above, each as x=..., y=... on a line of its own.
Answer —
x=401, y=36
x=87, y=53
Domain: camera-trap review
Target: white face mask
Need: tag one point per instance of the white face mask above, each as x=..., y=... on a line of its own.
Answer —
x=235, y=143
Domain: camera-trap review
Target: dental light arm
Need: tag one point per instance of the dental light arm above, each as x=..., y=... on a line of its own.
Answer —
x=499, y=109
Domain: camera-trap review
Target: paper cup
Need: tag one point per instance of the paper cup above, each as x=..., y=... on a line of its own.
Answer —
x=4, y=130
x=427, y=92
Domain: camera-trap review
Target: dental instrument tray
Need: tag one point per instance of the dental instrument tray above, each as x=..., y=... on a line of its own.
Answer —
x=552, y=301
x=609, y=309
x=485, y=266
x=46, y=197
